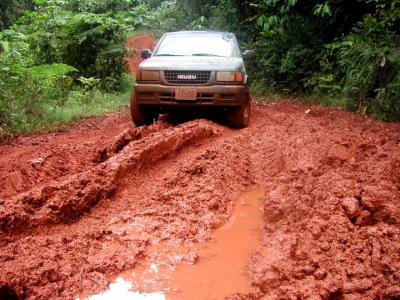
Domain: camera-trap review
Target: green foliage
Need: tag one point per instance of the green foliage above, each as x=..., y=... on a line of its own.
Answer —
x=287, y=59
x=371, y=70
x=101, y=7
x=92, y=43
x=50, y=71
x=344, y=51
x=173, y=15
x=323, y=9
x=362, y=69
x=63, y=54
x=11, y=10
x=35, y=104
x=160, y=19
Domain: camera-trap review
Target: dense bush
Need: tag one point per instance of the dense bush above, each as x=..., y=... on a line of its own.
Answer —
x=11, y=10
x=33, y=97
x=92, y=43
x=345, y=52
x=58, y=53
x=370, y=65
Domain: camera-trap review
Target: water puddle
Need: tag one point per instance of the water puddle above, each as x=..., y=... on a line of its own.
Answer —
x=210, y=270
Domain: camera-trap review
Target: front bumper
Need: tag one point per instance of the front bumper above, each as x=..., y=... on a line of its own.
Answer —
x=210, y=95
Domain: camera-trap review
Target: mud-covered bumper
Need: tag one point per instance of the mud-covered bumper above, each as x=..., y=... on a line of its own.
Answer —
x=210, y=95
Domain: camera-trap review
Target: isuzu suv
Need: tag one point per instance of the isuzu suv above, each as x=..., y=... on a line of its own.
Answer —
x=193, y=70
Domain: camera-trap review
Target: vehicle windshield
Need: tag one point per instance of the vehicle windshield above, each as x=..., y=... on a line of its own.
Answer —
x=223, y=45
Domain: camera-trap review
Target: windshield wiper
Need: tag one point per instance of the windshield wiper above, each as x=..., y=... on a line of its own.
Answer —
x=205, y=54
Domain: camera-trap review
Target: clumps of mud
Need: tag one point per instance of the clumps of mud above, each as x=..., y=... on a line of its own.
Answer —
x=331, y=211
x=191, y=201
x=63, y=263
x=67, y=259
x=67, y=200
x=311, y=249
x=372, y=206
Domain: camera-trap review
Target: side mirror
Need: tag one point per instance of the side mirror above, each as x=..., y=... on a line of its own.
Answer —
x=249, y=55
x=146, y=53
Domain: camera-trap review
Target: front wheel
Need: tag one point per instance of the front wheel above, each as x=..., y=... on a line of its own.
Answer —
x=142, y=115
x=239, y=117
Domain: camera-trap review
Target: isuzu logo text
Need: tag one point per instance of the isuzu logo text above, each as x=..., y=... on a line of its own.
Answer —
x=187, y=77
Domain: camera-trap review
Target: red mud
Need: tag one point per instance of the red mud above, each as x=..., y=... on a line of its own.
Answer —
x=33, y=160
x=138, y=43
x=97, y=197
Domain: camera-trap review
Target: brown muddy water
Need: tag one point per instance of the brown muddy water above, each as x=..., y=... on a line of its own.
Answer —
x=209, y=270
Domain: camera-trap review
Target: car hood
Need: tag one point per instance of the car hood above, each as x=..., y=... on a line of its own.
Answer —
x=193, y=63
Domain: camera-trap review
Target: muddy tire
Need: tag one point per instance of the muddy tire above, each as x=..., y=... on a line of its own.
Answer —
x=239, y=117
x=142, y=115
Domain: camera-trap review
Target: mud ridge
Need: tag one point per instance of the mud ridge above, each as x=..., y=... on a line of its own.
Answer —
x=67, y=200
x=126, y=137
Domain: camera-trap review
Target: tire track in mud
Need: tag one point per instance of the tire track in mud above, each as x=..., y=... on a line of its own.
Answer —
x=68, y=199
x=191, y=196
x=80, y=256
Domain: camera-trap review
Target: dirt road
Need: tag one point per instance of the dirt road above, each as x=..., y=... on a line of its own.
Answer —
x=78, y=207
x=137, y=43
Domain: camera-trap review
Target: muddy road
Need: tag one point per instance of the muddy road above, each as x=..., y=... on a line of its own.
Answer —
x=137, y=43
x=78, y=208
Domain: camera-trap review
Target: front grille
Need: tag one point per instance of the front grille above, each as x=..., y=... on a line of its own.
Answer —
x=193, y=77
x=167, y=96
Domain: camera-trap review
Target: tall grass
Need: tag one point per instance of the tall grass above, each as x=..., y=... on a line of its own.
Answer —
x=34, y=112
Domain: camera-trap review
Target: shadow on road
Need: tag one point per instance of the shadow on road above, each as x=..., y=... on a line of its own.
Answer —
x=183, y=117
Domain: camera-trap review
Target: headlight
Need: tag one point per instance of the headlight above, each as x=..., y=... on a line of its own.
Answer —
x=230, y=76
x=150, y=75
